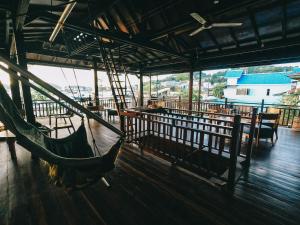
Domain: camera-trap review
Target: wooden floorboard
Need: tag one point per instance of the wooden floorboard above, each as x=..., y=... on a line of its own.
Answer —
x=147, y=190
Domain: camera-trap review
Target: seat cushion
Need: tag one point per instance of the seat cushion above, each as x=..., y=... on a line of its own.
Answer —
x=265, y=130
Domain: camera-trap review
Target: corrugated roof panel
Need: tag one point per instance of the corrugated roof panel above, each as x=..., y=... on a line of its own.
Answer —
x=265, y=78
x=234, y=73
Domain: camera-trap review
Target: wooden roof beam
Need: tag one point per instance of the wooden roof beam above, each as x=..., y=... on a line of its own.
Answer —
x=214, y=40
x=233, y=36
x=284, y=19
x=255, y=28
x=18, y=23
x=119, y=37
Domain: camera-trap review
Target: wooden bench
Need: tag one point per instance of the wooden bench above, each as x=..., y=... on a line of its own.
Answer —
x=10, y=139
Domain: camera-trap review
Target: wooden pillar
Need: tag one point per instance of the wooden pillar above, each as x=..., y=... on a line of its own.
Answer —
x=150, y=85
x=96, y=82
x=191, y=90
x=21, y=53
x=199, y=91
x=262, y=106
x=15, y=92
x=156, y=86
x=251, y=136
x=141, y=103
x=14, y=86
x=226, y=103
x=234, y=149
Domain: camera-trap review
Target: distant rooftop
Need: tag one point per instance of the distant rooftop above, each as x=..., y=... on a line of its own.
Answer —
x=295, y=74
x=296, y=70
x=265, y=78
x=262, y=78
x=234, y=73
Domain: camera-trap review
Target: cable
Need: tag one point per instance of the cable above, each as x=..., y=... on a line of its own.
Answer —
x=67, y=82
x=77, y=83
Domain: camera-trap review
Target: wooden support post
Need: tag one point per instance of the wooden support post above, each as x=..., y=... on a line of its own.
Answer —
x=199, y=91
x=15, y=88
x=262, y=105
x=150, y=86
x=226, y=102
x=141, y=103
x=156, y=86
x=251, y=136
x=96, y=82
x=191, y=91
x=20, y=46
x=233, y=153
x=15, y=93
x=122, y=119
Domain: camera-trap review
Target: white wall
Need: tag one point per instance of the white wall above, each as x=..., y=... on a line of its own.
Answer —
x=232, y=81
x=258, y=92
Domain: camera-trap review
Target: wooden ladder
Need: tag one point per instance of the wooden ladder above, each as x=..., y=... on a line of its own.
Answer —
x=118, y=86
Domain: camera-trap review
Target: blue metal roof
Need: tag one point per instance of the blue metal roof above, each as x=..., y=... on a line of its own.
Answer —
x=265, y=78
x=234, y=73
x=296, y=70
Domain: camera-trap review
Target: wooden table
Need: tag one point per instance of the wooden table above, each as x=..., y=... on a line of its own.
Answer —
x=96, y=109
x=10, y=139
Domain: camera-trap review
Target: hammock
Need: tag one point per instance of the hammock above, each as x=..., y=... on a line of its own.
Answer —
x=71, y=157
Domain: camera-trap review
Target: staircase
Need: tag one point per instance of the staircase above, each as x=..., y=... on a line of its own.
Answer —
x=118, y=85
x=78, y=43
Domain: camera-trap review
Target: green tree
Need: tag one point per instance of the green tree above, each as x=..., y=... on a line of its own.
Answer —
x=218, y=90
x=185, y=94
x=291, y=99
x=182, y=77
x=217, y=78
x=37, y=96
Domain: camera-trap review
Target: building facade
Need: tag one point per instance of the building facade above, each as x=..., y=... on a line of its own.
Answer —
x=257, y=86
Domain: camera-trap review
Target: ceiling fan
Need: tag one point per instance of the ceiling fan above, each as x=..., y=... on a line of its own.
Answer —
x=207, y=25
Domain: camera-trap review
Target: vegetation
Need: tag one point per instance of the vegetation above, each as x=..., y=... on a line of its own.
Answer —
x=37, y=96
x=218, y=90
x=185, y=94
x=268, y=69
x=217, y=78
x=182, y=77
x=291, y=99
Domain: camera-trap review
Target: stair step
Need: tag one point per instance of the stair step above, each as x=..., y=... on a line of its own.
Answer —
x=61, y=127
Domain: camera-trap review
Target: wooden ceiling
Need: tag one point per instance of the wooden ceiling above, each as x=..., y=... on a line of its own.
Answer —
x=152, y=36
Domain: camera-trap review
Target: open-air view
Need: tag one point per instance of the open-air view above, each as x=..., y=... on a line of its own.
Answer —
x=131, y=112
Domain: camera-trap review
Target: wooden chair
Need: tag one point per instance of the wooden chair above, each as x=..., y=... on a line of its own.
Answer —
x=10, y=139
x=112, y=113
x=267, y=126
x=67, y=125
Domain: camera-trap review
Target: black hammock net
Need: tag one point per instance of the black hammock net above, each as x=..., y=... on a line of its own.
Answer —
x=71, y=159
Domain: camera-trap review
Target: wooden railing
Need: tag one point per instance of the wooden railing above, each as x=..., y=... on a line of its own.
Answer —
x=209, y=146
x=287, y=112
x=45, y=108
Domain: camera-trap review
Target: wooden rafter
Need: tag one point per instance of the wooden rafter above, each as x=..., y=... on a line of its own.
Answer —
x=214, y=40
x=284, y=19
x=255, y=28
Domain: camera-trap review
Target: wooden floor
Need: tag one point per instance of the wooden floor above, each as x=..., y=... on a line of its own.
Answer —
x=148, y=191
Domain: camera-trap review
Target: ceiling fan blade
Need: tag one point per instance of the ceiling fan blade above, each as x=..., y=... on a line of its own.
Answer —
x=197, y=31
x=226, y=24
x=197, y=17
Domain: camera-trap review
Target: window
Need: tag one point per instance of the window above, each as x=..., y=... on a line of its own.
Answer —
x=243, y=91
x=268, y=92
